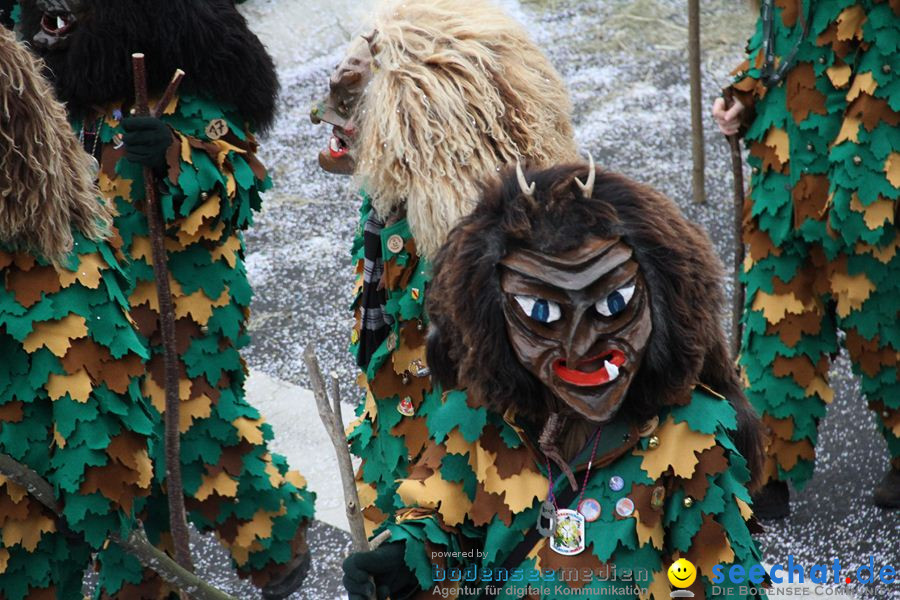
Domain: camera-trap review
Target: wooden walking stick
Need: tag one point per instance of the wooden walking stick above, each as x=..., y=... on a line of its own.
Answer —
x=697, y=150
x=174, y=487
x=330, y=413
x=737, y=170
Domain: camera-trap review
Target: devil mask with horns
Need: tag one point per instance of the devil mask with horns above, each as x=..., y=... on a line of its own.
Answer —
x=580, y=294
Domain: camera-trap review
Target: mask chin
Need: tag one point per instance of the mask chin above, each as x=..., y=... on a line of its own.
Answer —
x=58, y=21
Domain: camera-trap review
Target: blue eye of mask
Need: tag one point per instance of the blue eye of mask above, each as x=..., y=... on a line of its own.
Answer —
x=539, y=309
x=616, y=302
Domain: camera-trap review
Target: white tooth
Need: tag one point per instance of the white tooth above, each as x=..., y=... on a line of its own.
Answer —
x=60, y=23
x=334, y=144
x=611, y=369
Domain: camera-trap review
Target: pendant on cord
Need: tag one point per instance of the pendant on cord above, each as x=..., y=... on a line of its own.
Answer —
x=546, y=523
x=568, y=539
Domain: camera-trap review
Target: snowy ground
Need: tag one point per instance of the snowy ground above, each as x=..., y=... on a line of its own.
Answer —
x=625, y=63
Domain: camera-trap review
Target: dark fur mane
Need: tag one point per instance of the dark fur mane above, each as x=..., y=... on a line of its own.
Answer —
x=208, y=39
x=468, y=346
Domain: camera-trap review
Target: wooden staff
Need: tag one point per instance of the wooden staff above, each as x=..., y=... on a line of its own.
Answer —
x=174, y=487
x=737, y=170
x=135, y=544
x=697, y=150
x=330, y=413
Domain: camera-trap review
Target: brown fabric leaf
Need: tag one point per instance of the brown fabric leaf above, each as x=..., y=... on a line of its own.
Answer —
x=11, y=412
x=789, y=11
x=709, y=547
x=711, y=461
x=23, y=262
x=28, y=286
x=387, y=383
x=783, y=428
x=872, y=111
x=760, y=245
x=802, y=95
x=810, y=197
x=788, y=453
x=768, y=156
x=579, y=569
x=113, y=481
x=869, y=354
x=800, y=368
x=232, y=458
x=428, y=463
x=486, y=506
x=414, y=432
x=641, y=494
x=510, y=461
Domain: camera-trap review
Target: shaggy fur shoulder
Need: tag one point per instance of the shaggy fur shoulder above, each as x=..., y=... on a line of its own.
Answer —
x=208, y=39
x=459, y=90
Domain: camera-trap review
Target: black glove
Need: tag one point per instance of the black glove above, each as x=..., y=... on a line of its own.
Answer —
x=147, y=140
x=386, y=566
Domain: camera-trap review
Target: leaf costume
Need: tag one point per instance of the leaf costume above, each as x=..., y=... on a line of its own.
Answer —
x=71, y=406
x=233, y=485
x=209, y=183
x=396, y=380
x=820, y=218
x=480, y=493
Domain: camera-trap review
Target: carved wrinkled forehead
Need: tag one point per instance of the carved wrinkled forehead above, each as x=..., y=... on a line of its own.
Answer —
x=574, y=269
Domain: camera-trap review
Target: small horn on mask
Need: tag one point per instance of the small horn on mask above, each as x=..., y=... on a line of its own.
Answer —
x=527, y=190
x=370, y=40
x=587, y=188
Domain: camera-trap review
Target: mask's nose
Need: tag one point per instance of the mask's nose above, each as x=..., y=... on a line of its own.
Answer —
x=578, y=338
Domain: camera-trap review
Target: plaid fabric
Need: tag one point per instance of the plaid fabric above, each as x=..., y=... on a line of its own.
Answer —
x=375, y=322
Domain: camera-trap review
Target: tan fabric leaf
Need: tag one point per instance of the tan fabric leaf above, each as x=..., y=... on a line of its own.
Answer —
x=839, y=74
x=78, y=385
x=88, y=273
x=436, y=493
x=199, y=306
x=850, y=22
x=863, y=82
x=28, y=532
x=851, y=291
x=229, y=249
x=882, y=254
x=778, y=139
x=776, y=306
x=220, y=483
x=849, y=131
x=57, y=336
x=678, y=448
x=259, y=527
x=892, y=168
x=876, y=213
x=249, y=429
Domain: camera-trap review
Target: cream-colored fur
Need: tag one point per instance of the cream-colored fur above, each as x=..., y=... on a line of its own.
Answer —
x=46, y=183
x=459, y=92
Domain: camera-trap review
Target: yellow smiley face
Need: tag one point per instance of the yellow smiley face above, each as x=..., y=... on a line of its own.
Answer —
x=682, y=573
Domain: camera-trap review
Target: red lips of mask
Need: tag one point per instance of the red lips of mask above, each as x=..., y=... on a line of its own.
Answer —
x=606, y=369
